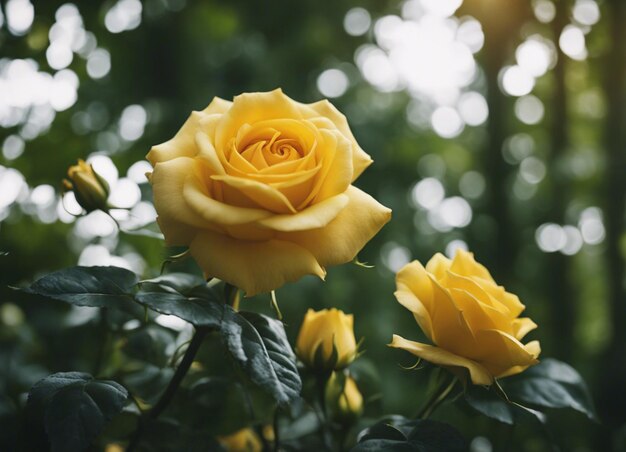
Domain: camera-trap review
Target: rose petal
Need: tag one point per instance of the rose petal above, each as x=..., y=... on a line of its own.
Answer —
x=522, y=327
x=361, y=159
x=339, y=175
x=480, y=316
x=249, y=108
x=452, y=280
x=498, y=352
x=438, y=265
x=408, y=299
x=263, y=195
x=341, y=240
x=465, y=264
x=217, y=105
x=303, y=132
x=253, y=266
x=175, y=232
x=534, y=349
x=182, y=145
x=478, y=374
x=449, y=327
x=215, y=212
x=206, y=151
x=168, y=182
x=316, y=216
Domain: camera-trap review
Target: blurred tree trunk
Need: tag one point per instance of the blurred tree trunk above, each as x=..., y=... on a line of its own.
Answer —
x=562, y=302
x=612, y=397
x=501, y=22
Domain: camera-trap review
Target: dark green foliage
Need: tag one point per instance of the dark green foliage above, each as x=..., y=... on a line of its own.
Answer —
x=398, y=434
x=73, y=408
x=549, y=384
x=99, y=287
x=260, y=346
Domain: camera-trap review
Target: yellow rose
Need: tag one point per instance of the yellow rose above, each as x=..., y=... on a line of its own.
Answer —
x=474, y=322
x=244, y=440
x=260, y=190
x=90, y=189
x=326, y=340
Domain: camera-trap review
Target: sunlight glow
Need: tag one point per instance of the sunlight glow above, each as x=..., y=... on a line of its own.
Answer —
x=535, y=56
x=357, y=21
x=333, y=83
x=428, y=53
x=544, y=10
x=123, y=16
x=591, y=226
x=572, y=43
x=20, y=15
x=586, y=12
x=428, y=193
x=529, y=109
x=516, y=81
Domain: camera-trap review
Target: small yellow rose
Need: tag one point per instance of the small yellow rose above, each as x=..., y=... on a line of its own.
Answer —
x=474, y=323
x=326, y=340
x=343, y=398
x=90, y=189
x=244, y=440
x=260, y=190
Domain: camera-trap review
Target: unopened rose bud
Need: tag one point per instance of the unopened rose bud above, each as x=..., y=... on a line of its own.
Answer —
x=90, y=189
x=326, y=340
x=244, y=440
x=344, y=401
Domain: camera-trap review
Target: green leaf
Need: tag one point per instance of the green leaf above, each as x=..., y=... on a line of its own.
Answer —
x=149, y=344
x=148, y=382
x=551, y=384
x=259, y=345
x=383, y=430
x=74, y=408
x=197, y=311
x=433, y=436
x=386, y=445
x=487, y=401
x=396, y=433
x=223, y=401
x=99, y=287
x=180, y=282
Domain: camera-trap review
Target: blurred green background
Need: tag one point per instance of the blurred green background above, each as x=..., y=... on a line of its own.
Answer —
x=494, y=126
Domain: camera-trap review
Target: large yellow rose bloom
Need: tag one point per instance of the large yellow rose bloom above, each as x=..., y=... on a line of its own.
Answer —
x=260, y=190
x=474, y=323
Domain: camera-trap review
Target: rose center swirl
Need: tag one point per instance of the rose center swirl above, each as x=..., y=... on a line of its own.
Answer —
x=265, y=152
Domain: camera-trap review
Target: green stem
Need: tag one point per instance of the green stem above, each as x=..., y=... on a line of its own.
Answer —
x=171, y=389
x=321, y=394
x=437, y=398
x=276, y=431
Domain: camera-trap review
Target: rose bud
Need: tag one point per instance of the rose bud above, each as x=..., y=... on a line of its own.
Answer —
x=344, y=401
x=244, y=440
x=326, y=340
x=90, y=189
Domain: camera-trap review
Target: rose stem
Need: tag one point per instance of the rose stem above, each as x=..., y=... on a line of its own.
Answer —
x=436, y=399
x=173, y=385
x=276, y=431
